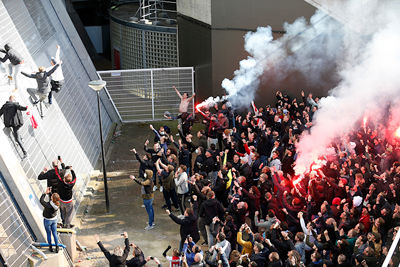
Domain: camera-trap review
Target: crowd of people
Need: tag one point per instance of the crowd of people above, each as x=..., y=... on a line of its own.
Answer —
x=237, y=193
x=234, y=185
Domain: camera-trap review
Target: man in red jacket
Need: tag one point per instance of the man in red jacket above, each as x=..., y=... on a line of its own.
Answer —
x=66, y=182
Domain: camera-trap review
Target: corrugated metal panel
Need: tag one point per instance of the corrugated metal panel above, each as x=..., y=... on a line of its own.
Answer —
x=15, y=239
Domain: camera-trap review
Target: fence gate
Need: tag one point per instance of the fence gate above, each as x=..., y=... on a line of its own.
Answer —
x=145, y=94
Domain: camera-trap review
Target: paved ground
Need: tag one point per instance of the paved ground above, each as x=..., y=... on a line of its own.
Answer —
x=126, y=213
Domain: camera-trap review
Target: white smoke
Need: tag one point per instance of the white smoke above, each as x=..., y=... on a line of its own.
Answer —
x=365, y=49
x=370, y=82
x=308, y=48
x=211, y=101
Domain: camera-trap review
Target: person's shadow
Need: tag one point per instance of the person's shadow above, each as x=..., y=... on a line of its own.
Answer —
x=8, y=132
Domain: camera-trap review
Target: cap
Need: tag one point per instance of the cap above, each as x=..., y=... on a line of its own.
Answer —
x=204, y=174
x=296, y=201
x=357, y=200
x=336, y=201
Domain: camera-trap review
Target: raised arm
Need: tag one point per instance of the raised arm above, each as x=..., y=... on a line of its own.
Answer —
x=158, y=166
x=33, y=76
x=4, y=59
x=165, y=167
x=190, y=98
x=177, y=92
x=57, y=57
x=53, y=69
x=127, y=248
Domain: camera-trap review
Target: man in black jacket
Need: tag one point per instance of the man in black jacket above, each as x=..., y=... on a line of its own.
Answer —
x=138, y=258
x=188, y=223
x=208, y=210
x=16, y=62
x=51, y=176
x=13, y=118
x=118, y=258
x=145, y=162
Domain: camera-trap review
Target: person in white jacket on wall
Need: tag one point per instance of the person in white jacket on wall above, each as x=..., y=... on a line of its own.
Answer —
x=57, y=78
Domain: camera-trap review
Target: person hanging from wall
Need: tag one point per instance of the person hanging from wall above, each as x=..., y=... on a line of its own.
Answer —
x=51, y=175
x=66, y=182
x=43, y=82
x=16, y=63
x=57, y=78
x=51, y=204
x=12, y=115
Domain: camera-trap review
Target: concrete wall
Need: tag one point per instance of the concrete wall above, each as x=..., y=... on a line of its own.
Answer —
x=70, y=125
x=223, y=46
x=250, y=14
x=197, y=9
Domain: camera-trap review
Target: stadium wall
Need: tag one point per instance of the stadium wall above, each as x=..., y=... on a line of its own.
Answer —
x=70, y=126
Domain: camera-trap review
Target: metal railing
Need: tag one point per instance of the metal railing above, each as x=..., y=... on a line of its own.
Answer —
x=15, y=238
x=146, y=94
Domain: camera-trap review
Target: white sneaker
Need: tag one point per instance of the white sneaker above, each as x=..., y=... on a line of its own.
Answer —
x=148, y=227
x=154, y=188
x=161, y=189
x=154, y=224
x=143, y=206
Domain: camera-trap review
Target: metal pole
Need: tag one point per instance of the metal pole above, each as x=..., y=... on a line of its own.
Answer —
x=152, y=94
x=392, y=249
x=102, y=155
x=193, y=91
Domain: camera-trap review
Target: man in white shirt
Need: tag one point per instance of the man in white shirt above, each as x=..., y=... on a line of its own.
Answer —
x=57, y=78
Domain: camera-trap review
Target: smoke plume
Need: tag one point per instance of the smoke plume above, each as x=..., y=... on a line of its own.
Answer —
x=370, y=79
x=363, y=42
x=307, y=48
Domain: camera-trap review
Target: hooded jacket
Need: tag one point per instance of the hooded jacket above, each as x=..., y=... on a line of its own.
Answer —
x=147, y=185
x=64, y=189
x=168, y=180
x=42, y=79
x=12, y=114
x=260, y=258
x=52, y=179
x=188, y=225
x=211, y=208
x=50, y=209
x=181, y=183
x=12, y=55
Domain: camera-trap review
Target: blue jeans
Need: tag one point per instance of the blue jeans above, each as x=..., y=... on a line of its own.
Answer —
x=51, y=228
x=148, y=203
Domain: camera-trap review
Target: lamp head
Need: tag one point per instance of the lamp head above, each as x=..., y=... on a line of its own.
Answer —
x=97, y=85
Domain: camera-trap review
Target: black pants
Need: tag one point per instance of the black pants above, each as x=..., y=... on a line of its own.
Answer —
x=56, y=87
x=181, y=201
x=17, y=138
x=168, y=195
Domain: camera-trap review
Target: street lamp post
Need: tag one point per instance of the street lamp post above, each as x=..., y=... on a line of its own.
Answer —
x=97, y=86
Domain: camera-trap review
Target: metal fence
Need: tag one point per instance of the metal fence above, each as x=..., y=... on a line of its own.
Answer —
x=15, y=239
x=145, y=94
